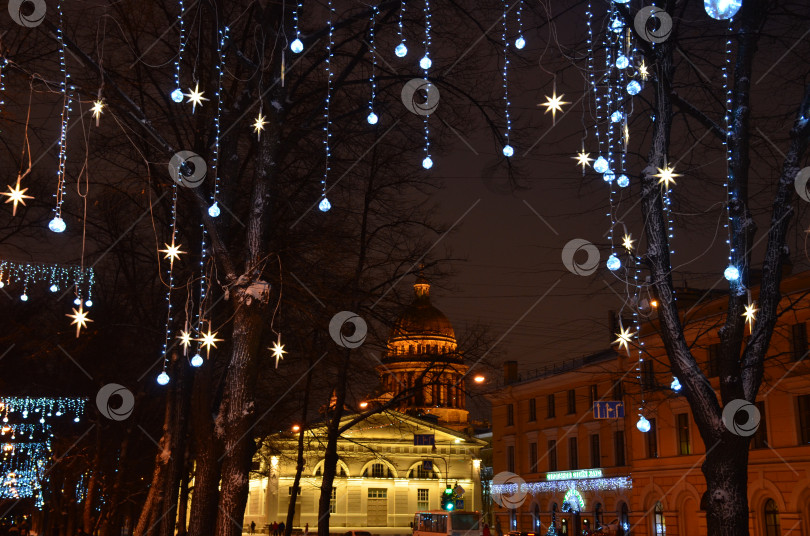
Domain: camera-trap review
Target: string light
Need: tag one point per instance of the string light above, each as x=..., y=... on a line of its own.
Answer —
x=57, y=224
x=585, y=484
x=177, y=94
x=401, y=50
x=520, y=42
x=508, y=150
x=297, y=46
x=54, y=275
x=324, y=205
x=213, y=210
x=425, y=64
x=372, y=117
x=171, y=253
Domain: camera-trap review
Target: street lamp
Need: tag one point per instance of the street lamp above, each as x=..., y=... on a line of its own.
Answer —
x=479, y=378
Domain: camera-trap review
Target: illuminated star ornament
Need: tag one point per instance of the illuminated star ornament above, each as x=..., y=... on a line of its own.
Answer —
x=195, y=97
x=209, y=340
x=16, y=195
x=666, y=176
x=172, y=252
x=642, y=71
x=79, y=319
x=583, y=159
x=185, y=339
x=750, y=315
x=97, y=109
x=554, y=104
x=624, y=337
x=278, y=350
x=627, y=242
x=258, y=126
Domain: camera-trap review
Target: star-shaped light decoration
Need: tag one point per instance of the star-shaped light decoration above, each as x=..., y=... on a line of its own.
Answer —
x=666, y=176
x=750, y=315
x=258, y=126
x=195, y=97
x=97, y=109
x=627, y=242
x=624, y=337
x=278, y=350
x=79, y=318
x=172, y=252
x=209, y=340
x=554, y=104
x=185, y=339
x=642, y=71
x=16, y=195
x=583, y=159
x=626, y=136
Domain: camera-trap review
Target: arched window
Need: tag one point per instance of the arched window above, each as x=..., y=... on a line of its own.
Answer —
x=341, y=469
x=597, y=516
x=420, y=472
x=536, y=514
x=659, y=524
x=378, y=470
x=624, y=521
x=772, y=519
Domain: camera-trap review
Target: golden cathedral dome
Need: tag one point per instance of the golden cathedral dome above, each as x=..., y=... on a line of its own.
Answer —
x=421, y=320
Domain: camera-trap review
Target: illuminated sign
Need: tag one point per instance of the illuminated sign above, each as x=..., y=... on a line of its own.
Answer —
x=424, y=439
x=574, y=475
x=608, y=409
x=573, y=501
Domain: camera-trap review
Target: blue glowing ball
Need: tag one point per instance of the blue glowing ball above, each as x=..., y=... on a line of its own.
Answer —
x=427, y=163
x=616, y=116
x=297, y=46
x=520, y=43
x=623, y=181
x=54, y=288
x=401, y=51
x=731, y=273
x=372, y=118
x=722, y=9
x=633, y=87
x=214, y=210
x=643, y=424
x=57, y=225
x=196, y=361
x=324, y=205
x=601, y=165
x=613, y=263
x=622, y=62
x=425, y=63
x=608, y=176
x=163, y=378
x=177, y=95
x=508, y=150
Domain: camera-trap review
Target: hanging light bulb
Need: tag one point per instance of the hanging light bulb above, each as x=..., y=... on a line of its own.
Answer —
x=324, y=205
x=196, y=361
x=163, y=378
x=675, y=385
x=722, y=9
x=57, y=225
x=401, y=51
x=643, y=424
x=622, y=62
x=731, y=273
x=427, y=163
x=600, y=165
x=608, y=176
x=616, y=116
x=425, y=63
x=214, y=210
x=77, y=301
x=633, y=87
x=88, y=303
x=508, y=150
x=520, y=43
x=613, y=262
x=54, y=288
x=297, y=46
x=372, y=118
x=177, y=95
x=622, y=181
x=24, y=297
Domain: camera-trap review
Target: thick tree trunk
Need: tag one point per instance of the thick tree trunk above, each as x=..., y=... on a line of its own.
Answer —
x=299, y=468
x=726, y=472
x=177, y=447
x=236, y=418
x=92, y=485
x=113, y=511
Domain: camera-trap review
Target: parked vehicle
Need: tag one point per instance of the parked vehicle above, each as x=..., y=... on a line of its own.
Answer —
x=443, y=523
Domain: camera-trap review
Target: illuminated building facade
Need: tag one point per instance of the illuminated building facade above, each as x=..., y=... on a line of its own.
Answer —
x=544, y=428
x=393, y=463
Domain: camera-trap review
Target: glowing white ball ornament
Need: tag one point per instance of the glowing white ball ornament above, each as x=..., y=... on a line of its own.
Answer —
x=608, y=176
x=616, y=117
x=77, y=301
x=372, y=118
x=633, y=87
x=425, y=63
x=57, y=225
x=324, y=205
x=508, y=150
x=675, y=385
x=427, y=163
x=622, y=62
x=520, y=43
x=297, y=46
x=54, y=288
x=177, y=95
x=214, y=210
x=731, y=273
x=163, y=378
x=401, y=51
x=722, y=9
x=613, y=262
x=24, y=297
x=643, y=424
x=601, y=165
x=196, y=361
x=623, y=181
x=88, y=303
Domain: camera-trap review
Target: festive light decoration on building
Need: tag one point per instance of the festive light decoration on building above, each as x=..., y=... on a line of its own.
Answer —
x=79, y=319
x=425, y=63
x=573, y=501
x=508, y=150
x=195, y=97
x=588, y=484
x=297, y=46
x=643, y=424
x=372, y=117
x=324, y=204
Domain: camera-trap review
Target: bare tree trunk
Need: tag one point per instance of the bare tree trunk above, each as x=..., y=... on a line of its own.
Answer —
x=112, y=513
x=182, y=507
x=176, y=464
x=299, y=468
x=92, y=485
